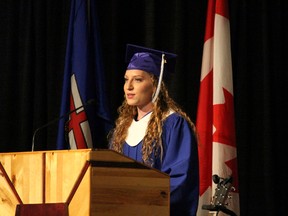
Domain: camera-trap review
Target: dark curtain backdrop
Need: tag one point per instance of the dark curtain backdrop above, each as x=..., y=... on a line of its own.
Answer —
x=32, y=50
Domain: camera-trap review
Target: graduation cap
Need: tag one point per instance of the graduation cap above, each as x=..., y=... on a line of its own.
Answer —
x=152, y=61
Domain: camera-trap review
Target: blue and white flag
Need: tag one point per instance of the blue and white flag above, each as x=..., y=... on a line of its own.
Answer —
x=84, y=81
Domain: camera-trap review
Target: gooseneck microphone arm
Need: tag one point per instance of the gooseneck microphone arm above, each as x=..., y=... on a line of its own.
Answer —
x=89, y=102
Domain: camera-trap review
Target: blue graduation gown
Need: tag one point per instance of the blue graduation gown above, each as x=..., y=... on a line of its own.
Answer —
x=180, y=162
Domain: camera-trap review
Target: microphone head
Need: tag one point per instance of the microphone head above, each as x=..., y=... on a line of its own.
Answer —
x=216, y=179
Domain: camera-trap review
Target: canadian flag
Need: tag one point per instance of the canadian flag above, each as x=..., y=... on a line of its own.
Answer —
x=215, y=114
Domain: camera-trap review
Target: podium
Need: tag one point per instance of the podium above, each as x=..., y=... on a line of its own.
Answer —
x=79, y=183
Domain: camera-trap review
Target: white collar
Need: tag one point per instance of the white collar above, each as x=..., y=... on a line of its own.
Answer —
x=137, y=130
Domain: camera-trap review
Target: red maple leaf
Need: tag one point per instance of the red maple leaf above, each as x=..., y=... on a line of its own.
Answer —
x=223, y=120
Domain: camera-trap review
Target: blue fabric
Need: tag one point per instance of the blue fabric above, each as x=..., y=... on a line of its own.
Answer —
x=83, y=58
x=180, y=161
x=149, y=60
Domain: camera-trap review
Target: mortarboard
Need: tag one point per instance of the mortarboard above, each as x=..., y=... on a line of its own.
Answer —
x=152, y=61
x=149, y=60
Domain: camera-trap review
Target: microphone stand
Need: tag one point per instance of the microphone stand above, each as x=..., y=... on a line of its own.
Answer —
x=91, y=101
x=224, y=186
x=219, y=208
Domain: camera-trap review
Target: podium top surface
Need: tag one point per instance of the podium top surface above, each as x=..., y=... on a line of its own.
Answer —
x=97, y=157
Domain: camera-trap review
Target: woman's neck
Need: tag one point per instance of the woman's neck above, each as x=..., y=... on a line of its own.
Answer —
x=143, y=111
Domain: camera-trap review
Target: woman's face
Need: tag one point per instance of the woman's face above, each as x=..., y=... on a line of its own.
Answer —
x=138, y=88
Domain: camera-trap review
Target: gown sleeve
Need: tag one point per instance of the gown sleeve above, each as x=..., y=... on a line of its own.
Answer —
x=180, y=161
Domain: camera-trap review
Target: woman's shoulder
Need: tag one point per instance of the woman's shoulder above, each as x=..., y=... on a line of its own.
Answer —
x=174, y=123
x=174, y=117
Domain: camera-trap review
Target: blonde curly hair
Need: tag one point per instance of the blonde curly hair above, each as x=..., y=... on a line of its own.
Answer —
x=152, y=142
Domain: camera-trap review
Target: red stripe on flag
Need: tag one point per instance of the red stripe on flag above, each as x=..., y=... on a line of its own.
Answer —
x=222, y=8
x=75, y=125
x=204, y=128
x=209, y=30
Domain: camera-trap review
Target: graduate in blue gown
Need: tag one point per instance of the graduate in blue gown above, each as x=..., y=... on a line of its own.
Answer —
x=152, y=128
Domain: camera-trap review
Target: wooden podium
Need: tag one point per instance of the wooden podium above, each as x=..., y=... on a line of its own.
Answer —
x=80, y=182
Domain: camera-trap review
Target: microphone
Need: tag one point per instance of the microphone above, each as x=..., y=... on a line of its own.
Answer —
x=216, y=179
x=220, y=196
x=89, y=102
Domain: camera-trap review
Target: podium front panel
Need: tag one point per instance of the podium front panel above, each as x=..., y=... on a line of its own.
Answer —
x=112, y=184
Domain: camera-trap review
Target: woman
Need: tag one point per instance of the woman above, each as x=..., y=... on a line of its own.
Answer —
x=152, y=128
